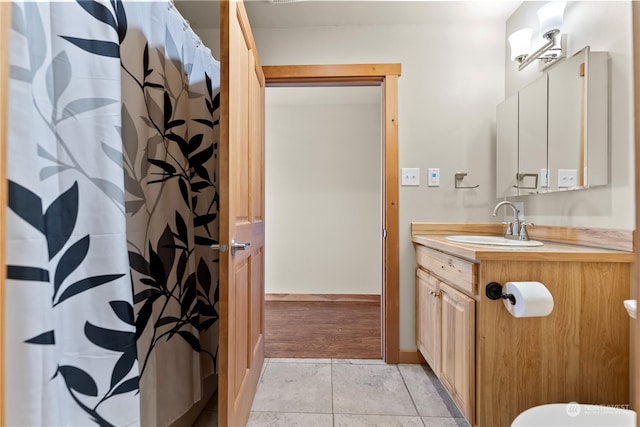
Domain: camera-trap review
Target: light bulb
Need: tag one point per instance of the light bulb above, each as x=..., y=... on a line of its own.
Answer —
x=551, y=16
x=520, y=42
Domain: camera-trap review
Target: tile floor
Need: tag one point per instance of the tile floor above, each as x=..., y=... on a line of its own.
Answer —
x=347, y=393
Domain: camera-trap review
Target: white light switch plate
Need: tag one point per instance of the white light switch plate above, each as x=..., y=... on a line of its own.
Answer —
x=410, y=176
x=544, y=178
x=434, y=177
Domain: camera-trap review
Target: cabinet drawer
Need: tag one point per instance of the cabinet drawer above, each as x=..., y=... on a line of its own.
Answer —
x=457, y=272
x=431, y=280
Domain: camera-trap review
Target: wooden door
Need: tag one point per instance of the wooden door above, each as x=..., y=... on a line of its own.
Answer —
x=241, y=161
x=458, y=348
x=428, y=319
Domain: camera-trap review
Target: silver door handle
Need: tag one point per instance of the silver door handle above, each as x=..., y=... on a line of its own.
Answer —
x=235, y=246
x=221, y=248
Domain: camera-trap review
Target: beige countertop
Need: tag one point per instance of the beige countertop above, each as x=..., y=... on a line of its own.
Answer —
x=550, y=251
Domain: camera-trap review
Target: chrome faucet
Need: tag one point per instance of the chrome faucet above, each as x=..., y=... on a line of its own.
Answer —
x=512, y=227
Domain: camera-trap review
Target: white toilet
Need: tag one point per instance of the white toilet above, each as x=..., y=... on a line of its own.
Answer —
x=575, y=414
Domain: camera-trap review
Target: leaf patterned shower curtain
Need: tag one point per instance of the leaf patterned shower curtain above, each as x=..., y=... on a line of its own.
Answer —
x=112, y=290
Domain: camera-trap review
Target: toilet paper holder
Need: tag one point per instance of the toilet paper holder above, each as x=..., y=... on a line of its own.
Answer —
x=493, y=291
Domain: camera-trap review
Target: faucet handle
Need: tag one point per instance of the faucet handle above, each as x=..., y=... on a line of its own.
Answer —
x=523, y=234
x=509, y=230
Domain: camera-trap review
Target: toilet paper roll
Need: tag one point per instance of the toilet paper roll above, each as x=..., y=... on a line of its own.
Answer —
x=533, y=299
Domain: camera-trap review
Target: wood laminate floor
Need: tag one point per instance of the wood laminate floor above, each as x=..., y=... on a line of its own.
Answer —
x=323, y=329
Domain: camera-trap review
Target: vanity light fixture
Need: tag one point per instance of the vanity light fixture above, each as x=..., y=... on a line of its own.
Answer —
x=555, y=43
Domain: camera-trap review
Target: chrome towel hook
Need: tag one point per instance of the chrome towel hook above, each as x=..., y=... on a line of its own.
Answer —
x=459, y=176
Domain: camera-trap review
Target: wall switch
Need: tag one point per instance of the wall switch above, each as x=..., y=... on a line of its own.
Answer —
x=567, y=178
x=544, y=178
x=410, y=176
x=434, y=177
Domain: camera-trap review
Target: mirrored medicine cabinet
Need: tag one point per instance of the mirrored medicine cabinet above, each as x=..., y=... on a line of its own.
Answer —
x=552, y=135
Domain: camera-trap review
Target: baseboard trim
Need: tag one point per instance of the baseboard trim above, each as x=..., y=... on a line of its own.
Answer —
x=411, y=358
x=324, y=297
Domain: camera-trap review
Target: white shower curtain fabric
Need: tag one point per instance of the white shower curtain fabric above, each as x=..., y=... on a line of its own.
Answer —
x=112, y=290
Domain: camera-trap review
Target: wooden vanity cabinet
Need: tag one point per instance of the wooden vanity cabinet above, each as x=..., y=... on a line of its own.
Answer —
x=445, y=322
x=495, y=366
x=428, y=319
x=457, y=367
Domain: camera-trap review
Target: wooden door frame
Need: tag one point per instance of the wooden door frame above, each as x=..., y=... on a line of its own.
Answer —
x=635, y=276
x=385, y=76
x=5, y=25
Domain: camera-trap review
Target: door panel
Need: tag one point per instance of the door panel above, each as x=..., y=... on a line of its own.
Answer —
x=241, y=216
x=256, y=154
x=457, y=364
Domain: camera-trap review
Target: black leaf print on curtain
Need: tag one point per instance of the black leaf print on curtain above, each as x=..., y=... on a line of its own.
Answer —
x=183, y=290
x=124, y=311
x=86, y=284
x=33, y=274
x=170, y=194
x=46, y=338
x=103, y=14
x=97, y=47
x=57, y=225
x=99, y=12
x=60, y=219
x=106, y=338
x=69, y=261
x=78, y=380
x=26, y=205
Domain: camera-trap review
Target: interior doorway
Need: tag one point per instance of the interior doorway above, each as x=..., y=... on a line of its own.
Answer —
x=384, y=76
x=323, y=263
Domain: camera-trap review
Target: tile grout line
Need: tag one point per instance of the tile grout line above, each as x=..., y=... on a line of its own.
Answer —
x=333, y=415
x=415, y=406
x=454, y=412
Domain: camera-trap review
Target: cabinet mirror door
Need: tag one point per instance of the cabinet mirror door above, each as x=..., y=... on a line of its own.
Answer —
x=507, y=147
x=566, y=123
x=532, y=136
x=578, y=135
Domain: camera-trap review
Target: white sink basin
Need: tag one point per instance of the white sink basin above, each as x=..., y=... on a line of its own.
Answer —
x=632, y=306
x=493, y=240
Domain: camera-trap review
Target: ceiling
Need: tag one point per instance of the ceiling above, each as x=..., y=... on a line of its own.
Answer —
x=301, y=13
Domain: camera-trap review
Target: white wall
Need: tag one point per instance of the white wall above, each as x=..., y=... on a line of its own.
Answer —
x=323, y=198
x=604, y=26
x=452, y=79
x=453, y=76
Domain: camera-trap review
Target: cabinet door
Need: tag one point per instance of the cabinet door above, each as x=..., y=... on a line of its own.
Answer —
x=507, y=147
x=532, y=136
x=578, y=120
x=458, y=348
x=428, y=319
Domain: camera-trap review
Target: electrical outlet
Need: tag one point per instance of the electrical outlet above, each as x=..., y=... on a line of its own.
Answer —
x=567, y=178
x=410, y=176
